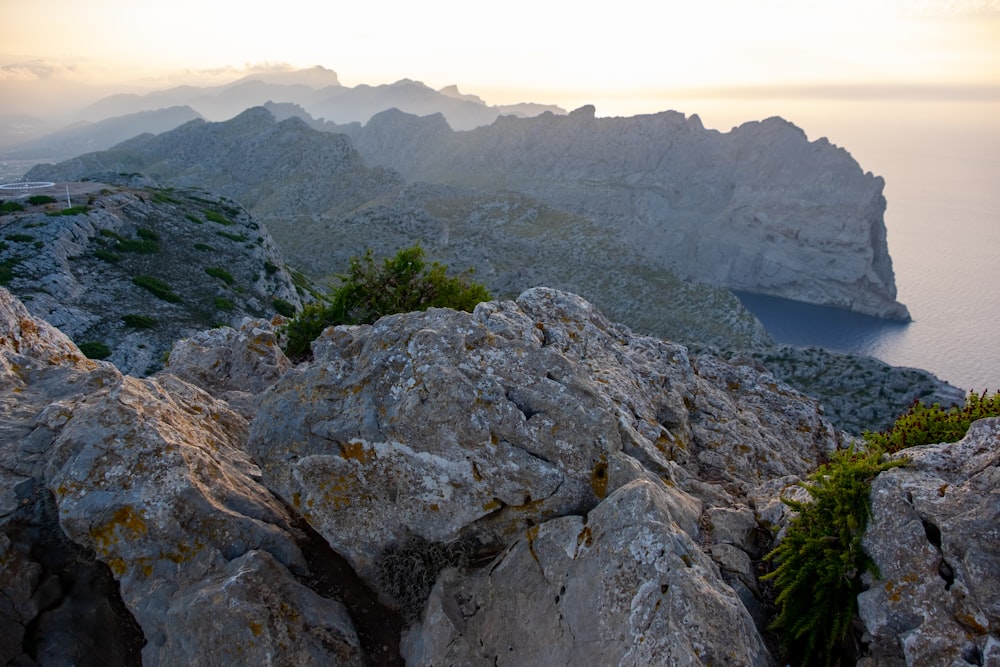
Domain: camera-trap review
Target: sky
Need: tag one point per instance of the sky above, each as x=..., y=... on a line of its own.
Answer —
x=626, y=56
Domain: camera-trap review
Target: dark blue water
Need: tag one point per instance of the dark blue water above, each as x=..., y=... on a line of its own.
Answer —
x=805, y=324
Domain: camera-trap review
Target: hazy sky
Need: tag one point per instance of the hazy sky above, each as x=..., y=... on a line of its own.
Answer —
x=624, y=52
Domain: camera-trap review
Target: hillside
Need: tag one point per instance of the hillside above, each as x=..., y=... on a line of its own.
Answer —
x=133, y=267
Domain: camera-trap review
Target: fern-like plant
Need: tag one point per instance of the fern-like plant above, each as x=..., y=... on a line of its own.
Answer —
x=820, y=560
x=927, y=425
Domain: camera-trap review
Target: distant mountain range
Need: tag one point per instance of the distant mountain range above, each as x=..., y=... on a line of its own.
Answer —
x=317, y=91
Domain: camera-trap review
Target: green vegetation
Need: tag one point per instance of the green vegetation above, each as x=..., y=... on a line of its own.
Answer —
x=162, y=197
x=72, y=210
x=283, y=307
x=147, y=234
x=223, y=304
x=95, y=350
x=400, y=284
x=820, y=561
x=20, y=238
x=234, y=237
x=107, y=255
x=195, y=219
x=38, y=200
x=7, y=270
x=220, y=273
x=135, y=321
x=213, y=216
x=270, y=268
x=157, y=287
x=923, y=425
x=11, y=207
x=3, y=246
x=203, y=246
x=139, y=246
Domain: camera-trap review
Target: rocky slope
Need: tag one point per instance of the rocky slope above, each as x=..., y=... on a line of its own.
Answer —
x=527, y=484
x=134, y=267
x=759, y=208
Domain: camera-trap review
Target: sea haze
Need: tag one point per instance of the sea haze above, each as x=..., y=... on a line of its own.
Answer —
x=941, y=164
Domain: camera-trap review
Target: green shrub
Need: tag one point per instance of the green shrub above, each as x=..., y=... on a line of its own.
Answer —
x=106, y=255
x=283, y=307
x=95, y=350
x=203, y=246
x=11, y=207
x=270, y=268
x=369, y=291
x=234, y=237
x=163, y=198
x=20, y=238
x=820, y=561
x=157, y=287
x=38, y=200
x=147, y=234
x=138, y=246
x=223, y=304
x=213, y=216
x=4, y=245
x=927, y=425
x=195, y=219
x=135, y=321
x=72, y=210
x=7, y=270
x=220, y=273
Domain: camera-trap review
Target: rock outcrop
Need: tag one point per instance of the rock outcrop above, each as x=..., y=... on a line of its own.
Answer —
x=526, y=484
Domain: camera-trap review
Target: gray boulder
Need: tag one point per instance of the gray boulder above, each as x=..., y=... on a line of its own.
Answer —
x=933, y=535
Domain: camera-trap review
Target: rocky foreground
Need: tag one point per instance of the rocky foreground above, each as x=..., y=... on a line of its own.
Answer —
x=528, y=484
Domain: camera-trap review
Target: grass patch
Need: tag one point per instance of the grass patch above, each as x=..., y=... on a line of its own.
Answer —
x=220, y=273
x=20, y=238
x=195, y=219
x=95, y=350
x=157, y=287
x=11, y=207
x=138, y=246
x=270, y=268
x=203, y=246
x=163, y=198
x=135, y=321
x=38, y=200
x=147, y=234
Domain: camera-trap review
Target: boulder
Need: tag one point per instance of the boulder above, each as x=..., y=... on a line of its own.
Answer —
x=933, y=536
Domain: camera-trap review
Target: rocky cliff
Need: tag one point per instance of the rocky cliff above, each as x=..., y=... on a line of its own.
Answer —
x=526, y=484
x=759, y=208
x=133, y=267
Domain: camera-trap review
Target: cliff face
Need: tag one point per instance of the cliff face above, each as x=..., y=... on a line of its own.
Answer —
x=526, y=484
x=759, y=208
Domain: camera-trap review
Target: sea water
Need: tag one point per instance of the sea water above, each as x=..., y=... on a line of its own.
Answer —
x=940, y=159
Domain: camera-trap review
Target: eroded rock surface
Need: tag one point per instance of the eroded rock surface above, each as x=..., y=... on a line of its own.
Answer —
x=934, y=534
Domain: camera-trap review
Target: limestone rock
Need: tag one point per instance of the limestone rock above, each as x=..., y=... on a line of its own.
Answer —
x=232, y=363
x=933, y=535
x=445, y=427
x=624, y=585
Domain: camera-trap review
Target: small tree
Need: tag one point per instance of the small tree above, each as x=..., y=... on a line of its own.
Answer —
x=370, y=290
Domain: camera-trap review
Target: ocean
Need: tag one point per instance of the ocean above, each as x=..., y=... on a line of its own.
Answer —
x=941, y=163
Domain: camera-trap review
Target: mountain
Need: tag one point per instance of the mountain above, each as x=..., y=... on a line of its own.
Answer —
x=320, y=93
x=527, y=484
x=759, y=209
x=88, y=137
x=133, y=267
